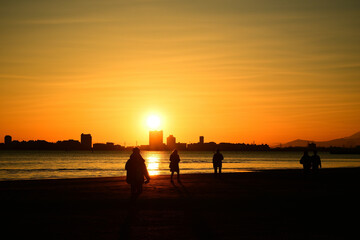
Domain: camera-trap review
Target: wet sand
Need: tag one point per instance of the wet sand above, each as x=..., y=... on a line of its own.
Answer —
x=280, y=204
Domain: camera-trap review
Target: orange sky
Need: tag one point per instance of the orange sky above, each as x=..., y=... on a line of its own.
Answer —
x=234, y=71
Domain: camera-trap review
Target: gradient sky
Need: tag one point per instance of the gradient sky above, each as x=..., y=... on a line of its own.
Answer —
x=233, y=71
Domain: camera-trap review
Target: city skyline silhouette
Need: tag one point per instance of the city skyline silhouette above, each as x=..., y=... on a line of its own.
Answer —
x=157, y=142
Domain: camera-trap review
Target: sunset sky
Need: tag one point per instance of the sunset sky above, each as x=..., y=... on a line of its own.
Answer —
x=267, y=71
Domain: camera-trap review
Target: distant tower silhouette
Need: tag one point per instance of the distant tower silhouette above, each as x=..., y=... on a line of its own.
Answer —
x=156, y=140
x=201, y=139
x=86, y=140
x=7, y=139
x=171, y=142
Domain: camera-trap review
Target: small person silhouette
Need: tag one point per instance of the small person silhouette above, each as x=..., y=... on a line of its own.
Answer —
x=315, y=162
x=136, y=171
x=174, y=165
x=217, y=162
x=306, y=162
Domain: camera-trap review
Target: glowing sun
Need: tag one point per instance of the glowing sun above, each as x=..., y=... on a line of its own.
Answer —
x=153, y=122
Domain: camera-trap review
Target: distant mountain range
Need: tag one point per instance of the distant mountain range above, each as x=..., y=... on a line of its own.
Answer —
x=351, y=141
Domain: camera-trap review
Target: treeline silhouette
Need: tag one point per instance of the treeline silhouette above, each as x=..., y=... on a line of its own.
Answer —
x=75, y=145
x=333, y=150
x=342, y=150
x=44, y=145
x=66, y=145
x=211, y=146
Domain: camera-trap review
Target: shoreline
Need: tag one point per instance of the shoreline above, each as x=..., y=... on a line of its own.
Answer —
x=78, y=165
x=182, y=174
x=268, y=204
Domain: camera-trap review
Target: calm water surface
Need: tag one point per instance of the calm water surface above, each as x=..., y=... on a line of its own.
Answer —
x=16, y=165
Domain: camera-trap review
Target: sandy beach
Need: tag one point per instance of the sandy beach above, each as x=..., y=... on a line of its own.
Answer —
x=277, y=204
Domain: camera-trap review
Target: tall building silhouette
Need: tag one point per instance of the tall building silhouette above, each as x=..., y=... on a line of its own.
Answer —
x=86, y=140
x=171, y=142
x=201, y=139
x=7, y=139
x=156, y=140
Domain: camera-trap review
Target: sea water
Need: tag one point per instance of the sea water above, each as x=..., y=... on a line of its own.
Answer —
x=21, y=165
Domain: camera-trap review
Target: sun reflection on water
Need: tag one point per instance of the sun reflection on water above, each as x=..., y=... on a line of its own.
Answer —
x=153, y=164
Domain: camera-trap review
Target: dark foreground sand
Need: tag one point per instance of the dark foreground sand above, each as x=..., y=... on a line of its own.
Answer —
x=256, y=205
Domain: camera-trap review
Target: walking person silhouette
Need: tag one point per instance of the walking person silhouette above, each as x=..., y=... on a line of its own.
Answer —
x=306, y=162
x=136, y=171
x=315, y=162
x=217, y=162
x=174, y=165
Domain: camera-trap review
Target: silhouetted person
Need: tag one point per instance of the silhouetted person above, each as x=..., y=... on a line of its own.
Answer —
x=315, y=162
x=136, y=171
x=306, y=162
x=217, y=162
x=174, y=164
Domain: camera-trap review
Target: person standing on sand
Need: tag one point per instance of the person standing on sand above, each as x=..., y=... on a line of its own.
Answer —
x=217, y=162
x=306, y=162
x=136, y=171
x=174, y=165
x=315, y=162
